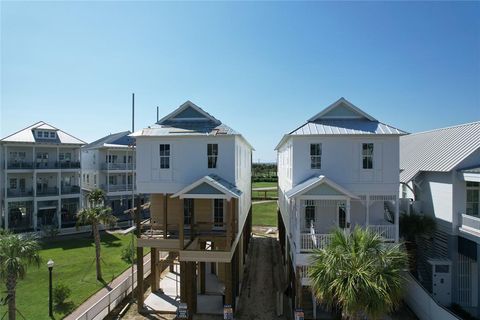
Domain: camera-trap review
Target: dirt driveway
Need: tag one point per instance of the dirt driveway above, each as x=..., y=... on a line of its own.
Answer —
x=257, y=299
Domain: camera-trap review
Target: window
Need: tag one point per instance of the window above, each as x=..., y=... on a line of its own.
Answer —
x=309, y=213
x=112, y=158
x=187, y=211
x=473, y=198
x=164, y=156
x=342, y=217
x=212, y=152
x=315, y=156
x=112, y=180
x=52, y=134
x=39, y=134
x=367, y=155
x=13, y=183
x=218, y=213
x=95, y=179
x=88, y=178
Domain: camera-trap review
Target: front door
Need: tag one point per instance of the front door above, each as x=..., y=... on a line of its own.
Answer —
x=342, y=217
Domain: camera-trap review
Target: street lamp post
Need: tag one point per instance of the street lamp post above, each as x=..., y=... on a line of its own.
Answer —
x=50, y=264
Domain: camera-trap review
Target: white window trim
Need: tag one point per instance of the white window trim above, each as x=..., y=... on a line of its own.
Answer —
x=372, y=156
x=169, y=156
x=213, y=215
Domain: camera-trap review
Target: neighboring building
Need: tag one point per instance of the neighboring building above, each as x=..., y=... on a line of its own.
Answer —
x=441, y=178
x=109, y=164
x=197, y=171
x=338, y=170
x=40, y=180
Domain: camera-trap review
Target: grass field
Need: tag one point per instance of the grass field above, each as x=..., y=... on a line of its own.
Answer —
x=265, y=214
x=270, y=194
x=74, y=266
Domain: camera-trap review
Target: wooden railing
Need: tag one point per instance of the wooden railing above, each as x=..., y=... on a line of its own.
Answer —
x=386, y=231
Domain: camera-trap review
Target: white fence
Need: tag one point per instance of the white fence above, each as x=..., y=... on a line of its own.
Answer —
x=108, y=302
x=310, y=242
x=387, y=231
x=422, y=303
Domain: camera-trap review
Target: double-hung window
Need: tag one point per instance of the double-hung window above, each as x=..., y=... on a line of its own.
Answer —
x=13, y=183
x=473, y=198
x=218, y=213
x=187, y=211
x=367, y=155
x=316, y=156
x=212, y=154
x=164, y=156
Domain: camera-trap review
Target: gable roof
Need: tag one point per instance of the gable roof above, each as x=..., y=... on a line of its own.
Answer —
x=438, y=150
x=188, y=120
x=188, y=111
x=341, y=109
x=342, y=118
x=210, y=186
x=114, y=140
x=26, y=135
x=315, y=181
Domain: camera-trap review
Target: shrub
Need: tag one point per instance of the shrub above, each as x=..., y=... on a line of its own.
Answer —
x=128, y=253
x=61, y=293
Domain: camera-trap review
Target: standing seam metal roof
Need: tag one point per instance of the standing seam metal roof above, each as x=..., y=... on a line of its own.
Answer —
x=437, y=150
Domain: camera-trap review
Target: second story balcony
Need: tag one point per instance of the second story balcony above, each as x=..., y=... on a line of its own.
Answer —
x=116, y=187
x=70, y=190
x=117, y=166
x=19, y=165
x=17, y=193
x=46, y=192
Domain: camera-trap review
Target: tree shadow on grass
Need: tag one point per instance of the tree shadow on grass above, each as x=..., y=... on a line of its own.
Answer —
x=81, y=241
x=64, y=308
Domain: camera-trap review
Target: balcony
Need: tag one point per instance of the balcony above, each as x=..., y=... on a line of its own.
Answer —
x=17, y=193
x=68, y=164
x=116, y=187
x=70, y=189
x=471, y=223
x=20, y=165
x=47, y=192
x=117, y=166
x=312, y=240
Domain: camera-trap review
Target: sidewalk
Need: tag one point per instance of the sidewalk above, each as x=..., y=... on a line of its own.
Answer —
x=102, y=292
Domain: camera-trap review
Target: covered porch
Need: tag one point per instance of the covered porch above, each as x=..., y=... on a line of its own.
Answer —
x=323, y=206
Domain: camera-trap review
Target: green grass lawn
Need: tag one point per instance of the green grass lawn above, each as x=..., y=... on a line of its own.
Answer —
x=265, y=214
x=74, y=266
x=270, y=194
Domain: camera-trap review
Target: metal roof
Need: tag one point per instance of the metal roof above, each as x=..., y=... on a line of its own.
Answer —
x=215, y=181
x=310, y=183
x=114, y=140
x=26, y=135
x=437, y=150
x=342, y=118
x=345, y=126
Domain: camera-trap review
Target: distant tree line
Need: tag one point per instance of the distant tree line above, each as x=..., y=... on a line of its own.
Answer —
x=264, y=172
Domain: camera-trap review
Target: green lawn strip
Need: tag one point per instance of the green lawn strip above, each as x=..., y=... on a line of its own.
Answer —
x=265, y=214
x=260, y=194
x=74, y=266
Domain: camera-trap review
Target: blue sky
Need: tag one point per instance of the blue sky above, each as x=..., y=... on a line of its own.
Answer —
x=262, y=68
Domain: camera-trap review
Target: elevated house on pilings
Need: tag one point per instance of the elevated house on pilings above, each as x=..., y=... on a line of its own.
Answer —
x=197, y=172
x=338, y=170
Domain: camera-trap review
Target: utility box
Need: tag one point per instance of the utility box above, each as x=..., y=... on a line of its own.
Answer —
x=441, y=280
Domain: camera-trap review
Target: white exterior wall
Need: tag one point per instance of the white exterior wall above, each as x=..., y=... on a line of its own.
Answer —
x=188, y=162
x=436, y=195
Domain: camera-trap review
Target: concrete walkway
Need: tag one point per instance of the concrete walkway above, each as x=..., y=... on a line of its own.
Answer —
x=102, y=292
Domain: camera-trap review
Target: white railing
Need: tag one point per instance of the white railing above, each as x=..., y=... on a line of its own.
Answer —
x=314, y=241
x=422, y=303
x=109, y=301
x=386, y=231
x=471, y=222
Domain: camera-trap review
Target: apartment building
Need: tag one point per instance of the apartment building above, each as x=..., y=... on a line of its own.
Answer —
x=441, y=178
x=197, y=171
x=40, y=179
x=109, y=164
x=338, y=170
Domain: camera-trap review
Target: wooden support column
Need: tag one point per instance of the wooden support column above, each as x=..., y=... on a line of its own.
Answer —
x=181, y=233
x=183, y=281
x=228, y=284
x=298, y=289
x=140, y=298
x=154, y=269
x=202, y=271
x=165, y=204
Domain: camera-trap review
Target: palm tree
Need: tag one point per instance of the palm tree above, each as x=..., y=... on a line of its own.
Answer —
x=94, y=215
x=17, y=252
x=359, y=274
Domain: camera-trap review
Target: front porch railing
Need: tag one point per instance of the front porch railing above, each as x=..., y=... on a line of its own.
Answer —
x=386, y=231
x=471, y=222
